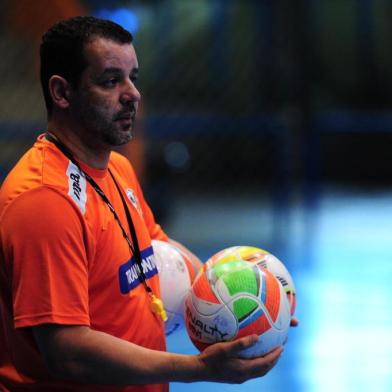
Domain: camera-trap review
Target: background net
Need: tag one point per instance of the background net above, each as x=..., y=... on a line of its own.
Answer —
x=243, y=101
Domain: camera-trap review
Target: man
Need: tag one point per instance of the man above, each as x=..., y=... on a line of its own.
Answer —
x=79, y=294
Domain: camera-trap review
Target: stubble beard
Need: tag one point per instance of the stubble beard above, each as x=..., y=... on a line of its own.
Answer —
x=103, y=129
x=113, y=136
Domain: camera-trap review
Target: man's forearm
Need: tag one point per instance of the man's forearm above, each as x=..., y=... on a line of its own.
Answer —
x=80, y=354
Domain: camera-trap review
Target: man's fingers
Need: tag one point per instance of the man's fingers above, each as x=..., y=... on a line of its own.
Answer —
x=269, y=360
x=241, y=344
x=274, y=354
x=262, y=365
x=294, y=322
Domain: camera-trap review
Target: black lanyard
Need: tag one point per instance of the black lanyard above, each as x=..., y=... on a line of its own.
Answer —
x=156, y=305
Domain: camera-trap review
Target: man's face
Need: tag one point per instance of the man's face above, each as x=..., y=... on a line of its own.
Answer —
x=105, y=103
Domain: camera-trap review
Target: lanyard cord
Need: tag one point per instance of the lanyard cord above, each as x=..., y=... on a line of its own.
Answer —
x=135, y=249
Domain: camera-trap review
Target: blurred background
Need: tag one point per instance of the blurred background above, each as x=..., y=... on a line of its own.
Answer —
x=265, y=123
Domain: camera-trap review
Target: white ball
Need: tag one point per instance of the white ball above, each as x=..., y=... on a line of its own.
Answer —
x=176, y=274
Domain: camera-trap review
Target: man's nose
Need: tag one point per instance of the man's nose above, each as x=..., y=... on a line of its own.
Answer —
x=130, y=93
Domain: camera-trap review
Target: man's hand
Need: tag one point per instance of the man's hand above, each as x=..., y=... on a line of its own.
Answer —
x=294, y=322
x=223, y=364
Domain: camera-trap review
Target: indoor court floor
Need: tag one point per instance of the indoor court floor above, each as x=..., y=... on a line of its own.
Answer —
x=340, y=256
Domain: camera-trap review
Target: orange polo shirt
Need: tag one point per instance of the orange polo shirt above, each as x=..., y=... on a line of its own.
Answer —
x=64, y=260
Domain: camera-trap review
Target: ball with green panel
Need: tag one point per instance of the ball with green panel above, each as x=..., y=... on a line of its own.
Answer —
x=234, y=299
x=264, y=259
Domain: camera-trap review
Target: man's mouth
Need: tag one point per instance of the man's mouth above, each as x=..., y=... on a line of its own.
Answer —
x=126, y=115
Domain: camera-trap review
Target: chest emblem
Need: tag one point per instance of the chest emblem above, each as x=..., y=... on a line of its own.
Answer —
x=134, y=200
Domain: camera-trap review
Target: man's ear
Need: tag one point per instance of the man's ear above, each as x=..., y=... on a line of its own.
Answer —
x=60, y=91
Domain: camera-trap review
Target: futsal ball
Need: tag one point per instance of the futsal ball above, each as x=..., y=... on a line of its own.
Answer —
x=176, y=274
x=235, y=299
x=263, y=258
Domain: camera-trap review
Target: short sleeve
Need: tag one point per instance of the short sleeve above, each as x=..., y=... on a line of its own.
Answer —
x=45, y=244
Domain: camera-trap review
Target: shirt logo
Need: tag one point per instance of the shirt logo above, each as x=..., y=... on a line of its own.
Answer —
x=128, y=275
x=77, y=187
x=134, y=200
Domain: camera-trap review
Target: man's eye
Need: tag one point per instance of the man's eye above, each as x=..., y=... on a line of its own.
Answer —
x=110, y=82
